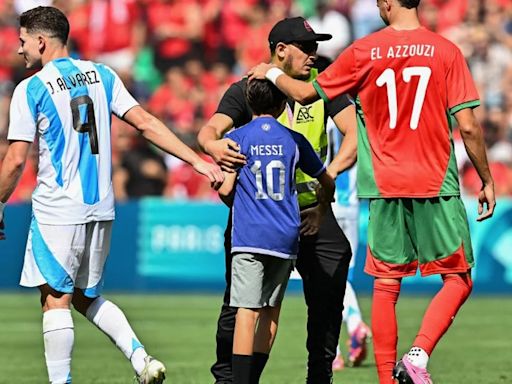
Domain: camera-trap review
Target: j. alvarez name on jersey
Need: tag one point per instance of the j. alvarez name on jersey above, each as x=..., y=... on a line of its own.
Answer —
x=399, y=51
x=66, y=83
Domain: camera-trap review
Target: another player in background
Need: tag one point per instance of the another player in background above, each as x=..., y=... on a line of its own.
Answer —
x=346, y=211
x=406, y=82
x=323, y=259
x=266, y=223
x=68, y=106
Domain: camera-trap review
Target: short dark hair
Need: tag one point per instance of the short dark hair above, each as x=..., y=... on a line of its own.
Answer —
x=48, y=20
x=409, y=4
x=264, y=97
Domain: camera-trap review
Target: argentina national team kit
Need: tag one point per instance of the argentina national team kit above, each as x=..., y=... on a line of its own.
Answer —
x=68, y=106
x=265, y=191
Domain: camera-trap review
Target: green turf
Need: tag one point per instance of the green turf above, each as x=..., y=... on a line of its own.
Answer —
x=180, y=330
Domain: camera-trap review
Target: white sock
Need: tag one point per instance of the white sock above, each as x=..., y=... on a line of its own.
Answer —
x=109, y=318
x=59, y=336
x=351, y=311
x=418, y=357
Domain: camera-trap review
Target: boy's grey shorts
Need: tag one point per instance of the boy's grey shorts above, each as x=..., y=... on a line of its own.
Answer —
x=258, y=280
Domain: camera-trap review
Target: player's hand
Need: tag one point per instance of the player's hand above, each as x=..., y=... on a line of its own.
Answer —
x=211, y=171
x=259, y=71
x=310, y=220
x=322, y=196
x=486, y=197
x=225, y=152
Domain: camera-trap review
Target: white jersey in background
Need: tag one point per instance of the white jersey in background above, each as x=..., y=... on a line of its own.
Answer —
x=346, y=191
x=68, y=105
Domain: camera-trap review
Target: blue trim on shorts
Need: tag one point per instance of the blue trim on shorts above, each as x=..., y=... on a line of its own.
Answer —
x=54, y=274
x=94, y=292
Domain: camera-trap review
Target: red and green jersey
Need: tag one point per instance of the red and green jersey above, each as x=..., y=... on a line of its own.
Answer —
x=406, y=85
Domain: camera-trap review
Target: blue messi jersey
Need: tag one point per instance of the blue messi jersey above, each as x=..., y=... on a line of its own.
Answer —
x=68, y=105
x=265, y=211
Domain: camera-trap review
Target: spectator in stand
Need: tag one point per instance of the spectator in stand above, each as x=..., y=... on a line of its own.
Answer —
x=488, y=63
x=27, y=183
x=120, y=20
x=253, y=49
x=327, y=18
x=142, y=171
x=182, y=182
x=10, y=59
x=364, y=18
x=235, y=17
x=172, y=102
x=175, y=31
x=440, y=15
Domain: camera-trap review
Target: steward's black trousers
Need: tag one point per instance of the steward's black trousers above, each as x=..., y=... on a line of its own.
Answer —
x=322, y=262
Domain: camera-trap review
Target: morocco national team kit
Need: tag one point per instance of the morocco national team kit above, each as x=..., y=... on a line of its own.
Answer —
x=406, y=84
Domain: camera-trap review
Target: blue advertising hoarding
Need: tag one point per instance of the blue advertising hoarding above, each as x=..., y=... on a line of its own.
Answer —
x=161, y=245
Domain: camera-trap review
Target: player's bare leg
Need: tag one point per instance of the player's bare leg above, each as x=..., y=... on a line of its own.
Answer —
x=243, y=344
x=266, y=332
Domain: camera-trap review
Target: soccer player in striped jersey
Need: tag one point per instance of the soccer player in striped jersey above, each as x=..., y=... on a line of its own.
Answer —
x=67, y=105
x=407, y=83
x=266, y=223
x=346, y=211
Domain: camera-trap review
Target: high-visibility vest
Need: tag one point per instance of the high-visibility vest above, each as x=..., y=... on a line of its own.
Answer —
x=310, y=121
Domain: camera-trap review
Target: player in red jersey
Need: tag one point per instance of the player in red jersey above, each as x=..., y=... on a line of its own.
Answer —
x=407, y=83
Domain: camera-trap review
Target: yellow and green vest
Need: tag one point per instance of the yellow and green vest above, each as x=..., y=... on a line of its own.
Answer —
x=309, y=120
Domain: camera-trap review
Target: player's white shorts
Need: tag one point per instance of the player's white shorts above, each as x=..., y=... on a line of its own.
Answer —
x=348, y=220
x=67, y=256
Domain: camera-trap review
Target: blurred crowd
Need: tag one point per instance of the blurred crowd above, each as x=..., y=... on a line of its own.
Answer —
x=177, y=57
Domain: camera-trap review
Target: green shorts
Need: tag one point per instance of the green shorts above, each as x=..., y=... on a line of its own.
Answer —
x=406, y=233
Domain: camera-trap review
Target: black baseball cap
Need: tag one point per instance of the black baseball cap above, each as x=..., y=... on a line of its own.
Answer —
x=294, y=29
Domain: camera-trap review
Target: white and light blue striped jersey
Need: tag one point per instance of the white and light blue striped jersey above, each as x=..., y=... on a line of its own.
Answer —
x=346, y=188
x=68, y=105
x=265, y=210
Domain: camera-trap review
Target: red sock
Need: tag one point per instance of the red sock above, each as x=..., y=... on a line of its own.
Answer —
x=384, y=329
x=442, y=310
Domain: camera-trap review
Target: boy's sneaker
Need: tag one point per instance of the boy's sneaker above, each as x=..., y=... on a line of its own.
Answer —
x=406, y=373
x=357, y=345
x=153, y=372
x=338, y=363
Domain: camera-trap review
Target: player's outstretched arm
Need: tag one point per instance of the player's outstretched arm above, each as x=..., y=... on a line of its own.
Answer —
x=156, y=132
x=12, y=168
x=345, y=121
x=224, y=151
x=473, y=138
x=299, y=90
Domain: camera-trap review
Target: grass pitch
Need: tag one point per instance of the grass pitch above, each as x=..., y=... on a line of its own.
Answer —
x=180, y=330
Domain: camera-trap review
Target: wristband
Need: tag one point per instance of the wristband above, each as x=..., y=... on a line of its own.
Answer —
x=2, y=205
x=273, y=73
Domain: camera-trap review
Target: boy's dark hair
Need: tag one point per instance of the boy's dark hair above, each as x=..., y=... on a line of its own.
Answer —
x=264, y=97
x=49, y=20
x=409, y=4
